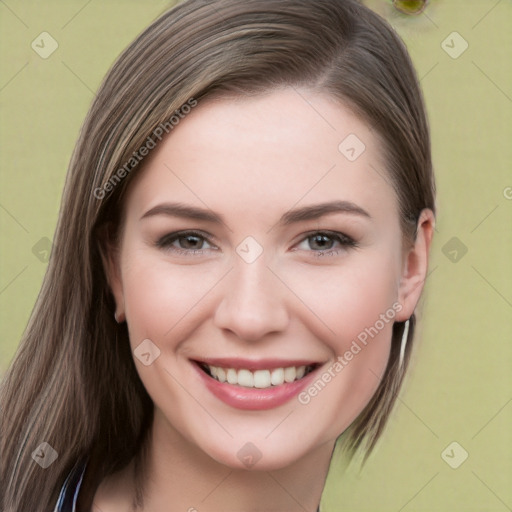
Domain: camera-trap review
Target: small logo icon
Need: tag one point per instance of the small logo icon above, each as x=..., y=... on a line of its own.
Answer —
x=454, y=455
x=41, y=250
x=454, y=249
x=146, y=352
x=351, y=147
x=249, y=249
x=249, y=455
x=454, y=45
x=44, y=45
x=44, y=455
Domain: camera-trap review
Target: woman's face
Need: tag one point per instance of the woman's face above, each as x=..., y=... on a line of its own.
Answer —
x=262, y=247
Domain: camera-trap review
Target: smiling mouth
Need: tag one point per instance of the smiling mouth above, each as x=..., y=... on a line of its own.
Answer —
x=259, y=379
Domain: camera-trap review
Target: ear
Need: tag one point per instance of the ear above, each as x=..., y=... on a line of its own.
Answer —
x=109, y=251
x=415, y=266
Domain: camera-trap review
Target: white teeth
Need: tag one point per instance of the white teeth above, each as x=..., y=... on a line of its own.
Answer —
x=231, y=375
x=245, y=378
x=277, y=377
x=221, y=375
x=260, y=379
x=290, y=374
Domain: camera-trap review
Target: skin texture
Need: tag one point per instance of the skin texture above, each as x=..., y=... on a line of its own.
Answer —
x=251, y=160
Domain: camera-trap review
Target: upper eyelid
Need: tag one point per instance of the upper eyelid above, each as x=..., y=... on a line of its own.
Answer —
x=328, y=232
x=335, y=235
x=169, y=238
x=185, y=232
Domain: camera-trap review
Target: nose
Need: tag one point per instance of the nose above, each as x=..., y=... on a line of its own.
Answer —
x=253, y=302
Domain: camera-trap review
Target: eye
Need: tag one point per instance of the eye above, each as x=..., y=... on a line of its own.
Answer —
x=326, y=242
x=185, y=242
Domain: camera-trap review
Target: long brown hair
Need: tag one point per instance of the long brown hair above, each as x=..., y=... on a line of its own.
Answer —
x=73, y=382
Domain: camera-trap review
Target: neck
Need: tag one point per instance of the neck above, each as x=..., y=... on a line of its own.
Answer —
x=178, y=476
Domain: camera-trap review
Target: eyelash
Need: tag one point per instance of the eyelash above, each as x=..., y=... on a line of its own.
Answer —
x=166, y=241
x=344, y=241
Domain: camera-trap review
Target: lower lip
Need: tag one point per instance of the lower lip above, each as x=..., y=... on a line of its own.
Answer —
x=254, y=399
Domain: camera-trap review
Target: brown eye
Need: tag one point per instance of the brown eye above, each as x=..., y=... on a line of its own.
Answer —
x=190, y=241
x=320, y=242
x=185, y=242
x=326, y=241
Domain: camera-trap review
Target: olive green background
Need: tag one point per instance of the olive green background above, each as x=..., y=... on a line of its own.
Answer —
x=459, y=388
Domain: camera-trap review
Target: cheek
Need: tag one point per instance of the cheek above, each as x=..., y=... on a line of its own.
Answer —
x=161, y=299
x=348, y=299
x=354, y=306
x=359, y=308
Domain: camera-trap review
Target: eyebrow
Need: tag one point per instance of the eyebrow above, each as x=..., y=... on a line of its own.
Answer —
x=184, y=211
x=292, y=216
x=319, y=210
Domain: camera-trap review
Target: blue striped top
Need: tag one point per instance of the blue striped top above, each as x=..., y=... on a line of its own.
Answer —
x=68, y=495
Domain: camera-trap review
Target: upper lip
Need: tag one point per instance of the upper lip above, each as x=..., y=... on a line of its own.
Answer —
x=255, y=364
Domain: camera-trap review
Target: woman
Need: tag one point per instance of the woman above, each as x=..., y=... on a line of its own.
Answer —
x=242, y=243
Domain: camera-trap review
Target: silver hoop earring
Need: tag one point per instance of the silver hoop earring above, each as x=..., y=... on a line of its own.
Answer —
x=115, y=317
x=405, y=335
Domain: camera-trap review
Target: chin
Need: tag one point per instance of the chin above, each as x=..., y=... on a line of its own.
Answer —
x=257, y=456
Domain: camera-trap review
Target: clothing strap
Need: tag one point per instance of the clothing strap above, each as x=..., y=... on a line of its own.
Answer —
x=68, y=495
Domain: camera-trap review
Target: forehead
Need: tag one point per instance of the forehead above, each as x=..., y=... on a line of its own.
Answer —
x=265, y=154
